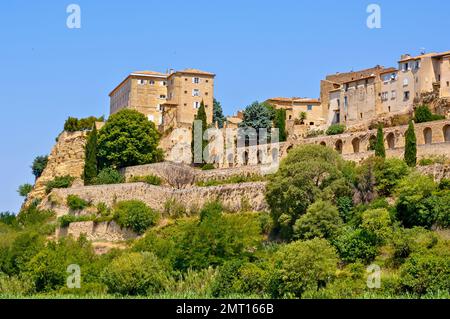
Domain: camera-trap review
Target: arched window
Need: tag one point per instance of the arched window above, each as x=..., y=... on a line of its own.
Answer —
x=428, y=135
x=391, y=141
x=446, y=131
x=338, y=146
x=355, y=144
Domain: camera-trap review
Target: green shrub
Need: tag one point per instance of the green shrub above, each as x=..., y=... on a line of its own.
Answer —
x=76, y=203
x=236, y=179
x=379, y=148
x=377, y=222
x=423, y=114
x=135, y=274
x=302, y=266
x=149, y=179
x=335, y=129
x=32, y=216
x=66, y=220
x=135, y=215
x=25, y=189
x=103, y=210
x=444, y=184
x=388, y=173
x=345, y=207
x=356, y=245
x=59, y=182
x=208, y=167
x=174, y=209
x=314, y=133
x=108, y=176
x=39, y=164
x=8, y=218
x=73, y=124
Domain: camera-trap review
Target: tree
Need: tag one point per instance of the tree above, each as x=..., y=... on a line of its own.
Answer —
x=303, y=266
x=25, y=189
x=128, y=138
x=423, y=114
x=303, y=117
x=135, y=215
x=90, y=165
x=218, y=114
x=380, y=149
x=258, y=116
x=199, y=148
x=280, y=124
x=335, y=129
x=388, y=174
x=410, y=146
x=39, y=164
x=321, y=220
x=303, y=176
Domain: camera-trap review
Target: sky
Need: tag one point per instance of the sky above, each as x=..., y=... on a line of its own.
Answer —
x=257, y=49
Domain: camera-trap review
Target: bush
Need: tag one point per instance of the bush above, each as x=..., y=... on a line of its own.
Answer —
x=208, y=167
x=59, y=182
x=135, y=215
x=321, y=220
x=174, y=209
x=149, y=179
x=377, y=222
x=423, y=114
x=345, y=207
x=39, y=164
x=356, y=246
x=76, y=203
x=25, y=189
x=302, y=266
x=135, y=274
x=108, y=176
x=8, y=218
x=73, y=124
x=444, y=184
x=388, y=173
x=335, y=129
x=236, y=179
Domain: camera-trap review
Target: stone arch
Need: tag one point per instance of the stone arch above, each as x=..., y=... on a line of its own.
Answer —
x=245, y=157
x=372, y=143
x=356, y=143
x=390, y=141
x=446, y=131
x=339, y=146
x=428, y=135
x=323, y=143
x=289, y=148
x=260, y=156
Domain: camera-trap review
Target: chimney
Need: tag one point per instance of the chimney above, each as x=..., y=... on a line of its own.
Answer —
x=171, y=71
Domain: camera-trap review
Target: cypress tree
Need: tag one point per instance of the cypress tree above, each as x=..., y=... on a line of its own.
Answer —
x=280, y=123
x=90, y=164
x=380, y=150
x=218, y=114
x=201, y=116
x=410, y=145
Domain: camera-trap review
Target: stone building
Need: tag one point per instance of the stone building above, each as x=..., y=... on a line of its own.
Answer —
x=294, y=106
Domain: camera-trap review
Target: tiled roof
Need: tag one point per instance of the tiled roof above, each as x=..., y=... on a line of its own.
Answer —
x=294, y=99
x=195, y=71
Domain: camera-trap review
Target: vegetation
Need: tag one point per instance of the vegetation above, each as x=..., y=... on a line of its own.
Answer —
x=108, y=175
x=335, y=129
x=149, y=179
x=59, y=182
x=74, y=124
x=258, y=116
x=198, y=149
x=90, y=163
x=218, y=114
x=231, y=180
x=423, y=114
x=39, y=164
x=410, y=146
x=74, y=202
x=24, y=189
x=128, y=138
x=280, y=124
x=380, y=150
x=135, y=215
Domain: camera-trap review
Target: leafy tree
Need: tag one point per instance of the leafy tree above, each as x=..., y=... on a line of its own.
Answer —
x=39, y=164
x=218, y=114
x=90, y=165
x=74, y=202
x=302, y=266
x=25, y=189
x=199, y=148
x=135, y=215
x=410, y=146
x=380, y=149
x=22, y=250
x=365, y=182
x=128, y=138
x=8, y=218
x=321, y=220
x=303, y=176
x=280, y=123
x=377, y=222
x=355, y=245
x=59, y=182
x=258, y=116
x=135, y=274
x=108, y=175
x=423, y=114
x=303, y=116
x=388, y=174
x=335, y=129
x=73, y=124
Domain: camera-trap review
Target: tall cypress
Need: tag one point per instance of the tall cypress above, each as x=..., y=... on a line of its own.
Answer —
x=410, y=145
x=201, y=116
x=380, y=149
x=280, y=123
x=90, y=164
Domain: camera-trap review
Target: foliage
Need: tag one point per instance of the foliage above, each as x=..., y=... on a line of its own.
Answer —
x=257, y=116
x=25, y=189
x=280, y=123
x=410, y=146
x=236, y=179
x=135, y=274
x=174, y=209
x=208, y=167
x=423, y=114
x=380, y=149
x=302, y=266
x=335, y=129
x=199, y=149
x=345, y=207
x=301, y=178
x=74, y=202
x=365, y=181
x=438, y=159
x=8, y=218
x=108, y=175
x=128, y=138
x=314, y=133
x=90, y=165
x=218, y=114
x=39, y=164
x=387, y=175
x=356, y=245
x=135, y=215
x=74, y=124
x=377, y=223
x=59, y=182
x=149, y=179
x=321, y=220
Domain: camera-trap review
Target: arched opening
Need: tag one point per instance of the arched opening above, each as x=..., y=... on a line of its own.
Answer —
x=289, y=148
x=323, y=143
x=391, y=141
x=355, y=144
x=446, y=131
x=372, y=143
x=428, y=135
x=260, y=156
x=245, y=158
x=338, y=146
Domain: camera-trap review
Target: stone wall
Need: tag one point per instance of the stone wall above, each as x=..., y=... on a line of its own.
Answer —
x=104, y=231
x=437, y=171
x=66, y=158
x=233, y=196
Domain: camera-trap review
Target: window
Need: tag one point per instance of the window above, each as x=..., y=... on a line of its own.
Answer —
x=185, y=92
x=406, y=95
x=196, y=80
x=159, y=108
x=405, y=82
x=389, y=108
x=394, y=76
x=311, y=123
x=345, y=101
x=196, y=105
x=290, y=117
x=405, y=67
x=207, y=81
x=309, y=107
x=339, y=102
x=151, y=82
x=393, y=94
x=361, y=115
x=448, y=83
x=206, y=93
x=346, y=87
x=163, y=83
x=417, y=65
x=195, y=92
x=141, y=82
x=384, y=96
x=162, y=96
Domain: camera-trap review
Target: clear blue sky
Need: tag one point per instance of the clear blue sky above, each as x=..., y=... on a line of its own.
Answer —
x=258, y=49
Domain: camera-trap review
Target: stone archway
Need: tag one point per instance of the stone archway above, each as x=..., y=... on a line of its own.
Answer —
x=390, y=141
x=338, y=146
x=356, y=143
x=446, y=131
x=428, y=135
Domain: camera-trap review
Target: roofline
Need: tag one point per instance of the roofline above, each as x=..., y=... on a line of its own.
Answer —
x=162, y=76
x=192, y=73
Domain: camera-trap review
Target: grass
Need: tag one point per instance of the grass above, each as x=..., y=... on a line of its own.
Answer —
x=237, y=179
